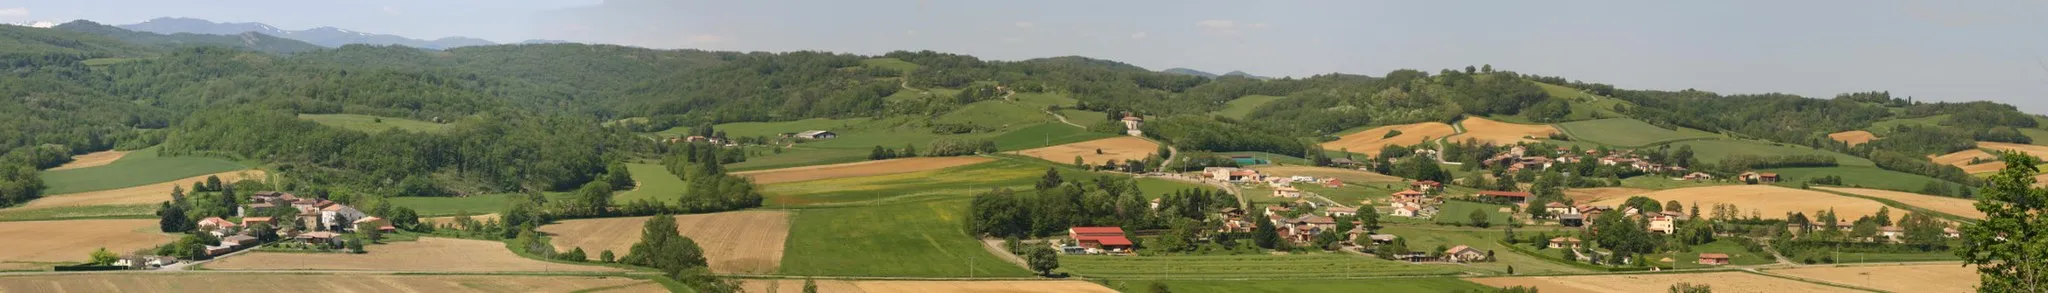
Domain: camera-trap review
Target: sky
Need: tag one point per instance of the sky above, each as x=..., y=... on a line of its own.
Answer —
x=1930, y=50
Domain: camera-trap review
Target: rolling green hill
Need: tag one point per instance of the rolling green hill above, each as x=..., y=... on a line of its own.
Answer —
x=367, y=123
x=1713, y=150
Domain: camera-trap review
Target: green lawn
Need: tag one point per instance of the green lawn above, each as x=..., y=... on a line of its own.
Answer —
x=857, y=138
x=1254, y=266
x=1461, y=212
x=1869, y=177
x=1389, y=285
x=1426, y=238
x=1154, y=187
x=910, y=239
x=1243, y=106
x=891, y=64
x=1713, y=150
x=474, y=205
x=1626, y=132
x=998, y=114
x=143, y=167
x=655, y=183
x=1042, y=100
x=1044, y=135
x=367, y=123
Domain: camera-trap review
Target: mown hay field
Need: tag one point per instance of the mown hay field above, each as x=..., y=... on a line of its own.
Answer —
x=1853, y=137
x=72, y=240
x=1503, y=133
x=91, y=160
x=859, y=169
x=255, y=283
x=143, y=167
x=1961, y=159
x=1370, y=141
x=1725, y=282
x=1773, y=201
x=428, y=254
x=146, y=194
x=745, y=242
x=1096, y=152
x=1947, y=205
x=1930, y=278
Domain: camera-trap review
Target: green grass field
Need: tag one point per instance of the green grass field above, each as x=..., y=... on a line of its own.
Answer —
x=910, y=239
x=1040, y=101
x=1882, y=128
x=1015, y=173
x=1254, y=266
x=475, y=205
x=1243, y=106
x=1389, y=285
x=1626, y=132
x=1870, y=177
x=802, y=156
x=891, y=64
x=1083, y=117
x=1662, y=183
x=143, y=167
x=773, y=129
x=1044, y=135
x=997, y=113
x=367, y=123
x=1461, y=212
x=655, y=183
x=2040, y=136
x=857, y=138
x=1713, y=150
x=85, y=212
x=1154, y=187
x=1426, y=238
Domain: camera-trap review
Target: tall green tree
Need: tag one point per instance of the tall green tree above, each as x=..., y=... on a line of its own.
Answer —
x=2007, y=247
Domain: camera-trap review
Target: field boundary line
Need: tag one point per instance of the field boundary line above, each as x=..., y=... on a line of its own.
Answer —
x=1816, y=282
x=1900, y=205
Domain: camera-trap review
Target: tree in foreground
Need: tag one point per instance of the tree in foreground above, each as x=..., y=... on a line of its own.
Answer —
x=1043, y=260
x=662, y=247
x=102, y=257
x=2008, y=247
x=1691, y=288
x=1159, y=287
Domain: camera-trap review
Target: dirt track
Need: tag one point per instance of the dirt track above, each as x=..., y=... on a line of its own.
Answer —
x=748, y=242
x=1119, y=148
x=858, y=169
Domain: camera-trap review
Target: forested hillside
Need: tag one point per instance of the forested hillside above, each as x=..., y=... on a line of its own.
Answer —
x=531, y=117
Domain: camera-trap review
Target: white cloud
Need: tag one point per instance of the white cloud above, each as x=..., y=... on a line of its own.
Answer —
x=1025, y=24
x=13, y=12
x=1138, y=35
x=1217, y=23
x=1258, y=25
x=708, y=38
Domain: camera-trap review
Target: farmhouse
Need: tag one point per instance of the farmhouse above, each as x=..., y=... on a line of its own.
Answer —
x=1510, y=196
x=1565, y=242
x=1098, y=240
x=1287, y=192
x=372, y=222
x=816, y=134
x=1132, y=124
x=1558, y=209
x=1713, y=259
x=1407, y=211
x=1339, y=212
x=1228, y=174
x=1891, y=232
x=1663, y=224
x=1697, y=176
x=1426, y=185
x=319, y=238
x=1572, y=220
x=218, y=226
x=1408, y=196
x=1463, y=253
x=1758, y=178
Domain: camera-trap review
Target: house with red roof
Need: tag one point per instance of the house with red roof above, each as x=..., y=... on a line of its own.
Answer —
x=1511, y=196
x=1109, y=240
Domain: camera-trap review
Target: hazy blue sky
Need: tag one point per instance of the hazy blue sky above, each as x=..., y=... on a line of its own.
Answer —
x=1935, y=50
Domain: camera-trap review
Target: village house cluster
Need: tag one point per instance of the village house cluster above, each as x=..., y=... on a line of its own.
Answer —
x=314, y=223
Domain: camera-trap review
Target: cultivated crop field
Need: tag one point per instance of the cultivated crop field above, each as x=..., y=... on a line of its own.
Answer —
x=91, y=160
x=1370, y=141
x=1096, y=152
x=211, y=283
x=70, y=241
x=426, y=254
x=2035, y=150
x=910, y=239
x=1502, y=133
x=138, y=168
x=373, y=124
x=1773, y=201
x=1253, y=266
x=1713, y=150
x=1947, y=205
x=1347, y=175
x=1896, y=278
x=1627, y=132
x=837, y=286
x=859, y=169
x=1047, y=134
x=1243, y=106
x=1007, y=171
x=1725, y=282
x=1962, y=159
x=1384, y=285
x=1586, y=195
x=146, y=194
x=1853, y=137
x=746, y=242
x=1871, y=177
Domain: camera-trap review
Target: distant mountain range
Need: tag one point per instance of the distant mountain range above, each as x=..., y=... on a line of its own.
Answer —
x=324, y=36
x=246, y=40
x=1178, y=70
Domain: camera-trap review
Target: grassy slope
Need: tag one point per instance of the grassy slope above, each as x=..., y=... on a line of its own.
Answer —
x=1461, y=212
x=1713, y=150
x=1045, y=134
x=2040, y=136
x=139, y=168
x=1882, y=128
x=1585, y=106
x=655, y=183
x=1240, y=107
x=1626, y=132
x=891, y=64
x=911, y=239
x=1870, y=177
x=1087, y=118
x=367, y=123
x=996, y=113
x=1397, y=285
x=1013, y=172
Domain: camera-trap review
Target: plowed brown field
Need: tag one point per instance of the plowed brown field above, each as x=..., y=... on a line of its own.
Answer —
x=1121, y=148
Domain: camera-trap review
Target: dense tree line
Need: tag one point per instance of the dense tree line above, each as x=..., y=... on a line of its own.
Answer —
x=1057, y=204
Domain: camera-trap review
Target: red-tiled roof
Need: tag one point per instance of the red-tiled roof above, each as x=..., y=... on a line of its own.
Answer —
x=1714, y=256
x=1111, y=240
x=1098, y=230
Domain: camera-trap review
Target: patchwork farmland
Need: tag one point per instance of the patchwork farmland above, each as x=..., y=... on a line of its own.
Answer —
x=1502, y=133
x=213, y=282
x=1371, y=140
x=1096, y=152
x=860, y=169
x=748, y=242
x=426, y=254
